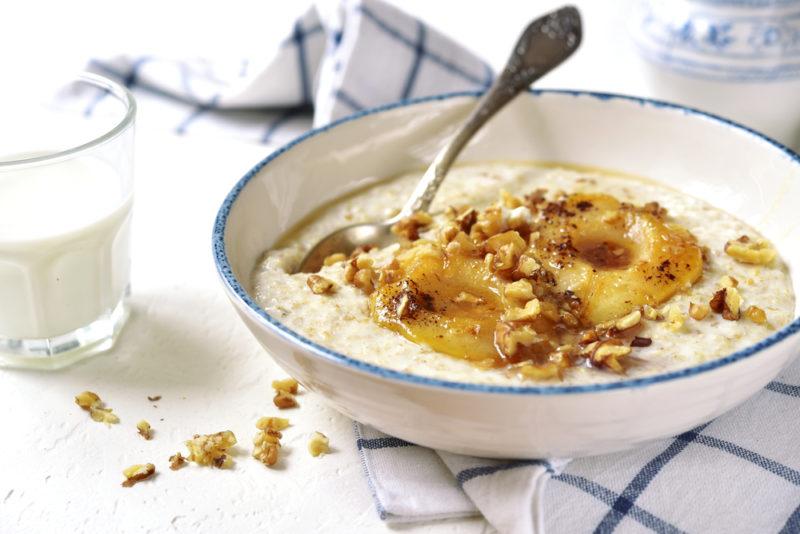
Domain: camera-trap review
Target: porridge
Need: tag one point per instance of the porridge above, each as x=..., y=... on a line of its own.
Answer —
x=528, y=273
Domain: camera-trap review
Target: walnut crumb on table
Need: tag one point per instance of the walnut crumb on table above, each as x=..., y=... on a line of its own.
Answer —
x=137, y=473
x=318, y=445
x=176, y=461
x=285, y=390
x=211, y=449
x=92, y=403
x=144, y=429
x=266, y=443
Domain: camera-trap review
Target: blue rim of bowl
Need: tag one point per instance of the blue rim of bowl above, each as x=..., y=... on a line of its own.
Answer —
x=233, y=285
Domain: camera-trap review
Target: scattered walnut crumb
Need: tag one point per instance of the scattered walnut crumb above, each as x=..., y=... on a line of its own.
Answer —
x=698, y=312
x=754, y=252
x=288, y=385
x=408, y=227
x=510, y=337
x=529, y=312
x=650, y=313
x=137, y=473
x=608, y=354
x=211, y=449
x=320, y=285
x=334, y=258
x=144, y=429
x=540, y=372
x=733, y=304
x=318, y=445
x=675, y=319
x=91, y=402
x=176, y=461
x=284, y=400
x=629, y=321
x=154, y=398
x=728, y=281
x=717, y=302
x=266, y=442
x=520, y=290
x=641, y=341
x=756, y=314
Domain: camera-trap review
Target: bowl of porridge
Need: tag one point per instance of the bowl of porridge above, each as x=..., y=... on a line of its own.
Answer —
x=598, y=271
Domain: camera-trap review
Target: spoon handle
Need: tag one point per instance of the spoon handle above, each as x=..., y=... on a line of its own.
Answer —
x=545, y=43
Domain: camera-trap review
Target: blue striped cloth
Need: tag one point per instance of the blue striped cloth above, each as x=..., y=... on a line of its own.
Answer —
x=739, y=473
x=330, y=64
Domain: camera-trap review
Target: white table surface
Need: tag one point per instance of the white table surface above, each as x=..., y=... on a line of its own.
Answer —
x=61, y=472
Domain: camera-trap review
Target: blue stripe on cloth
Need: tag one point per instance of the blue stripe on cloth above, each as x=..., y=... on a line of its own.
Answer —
x=786, y=389
x=776, y=468
x=129, y=80
x=378, y=505
x=348, y=100
x=623, y=504
x=299, y=38
x=473, y=472
x=196, y=113
x=606, y=496
x=382, y=443
x=445, y=64
x=307, y=32
x=282, y=119
x=108, y=70
x=419, y=52
x=792, y=525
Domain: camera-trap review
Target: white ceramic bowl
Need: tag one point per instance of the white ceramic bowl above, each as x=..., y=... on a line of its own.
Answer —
x=733, y=168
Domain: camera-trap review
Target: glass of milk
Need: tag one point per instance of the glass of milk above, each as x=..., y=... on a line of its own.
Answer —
x=66, y=188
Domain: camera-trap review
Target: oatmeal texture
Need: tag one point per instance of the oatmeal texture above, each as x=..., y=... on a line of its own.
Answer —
x=752, y=298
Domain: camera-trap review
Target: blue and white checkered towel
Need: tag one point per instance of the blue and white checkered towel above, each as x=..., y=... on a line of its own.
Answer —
x=740, y=473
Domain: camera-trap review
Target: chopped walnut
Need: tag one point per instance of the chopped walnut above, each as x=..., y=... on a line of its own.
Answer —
x=211, y=449
x=675, y=319
x=507, y=248
x=531, y=311
x=698, y=312
x=320, y=285
x=728, y=281
x=756, y=314
x=363, y=280
x=650, y=313
x=746, y=250
x=540, y=372
x=519, y=290
x=154, y=398
x=409, y=227
x=284, y=400
x=717, y=302
x=176, y=461
x=608, y=354
x=266, y=445
x=508, y=200
x=318, y=445
x=334, y=258
x=290, y=385
x=733, y=304
x=509, y=338
x=144, y=429
x=272, y=423
x=641, y=341
x=91, y=402
x=137, y=473
x=628, y=321
x=527, y=265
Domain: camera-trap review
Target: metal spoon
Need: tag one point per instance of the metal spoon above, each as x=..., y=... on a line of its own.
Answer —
x=544, y=45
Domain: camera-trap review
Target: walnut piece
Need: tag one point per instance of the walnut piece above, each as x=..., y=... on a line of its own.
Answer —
x=756, y=314
x=211, y=449
x=531, y=310
x=509, y=338
x=318, y=445
x=144, y=429
x=520, y=290
x=272, y=423
x=698, y=312
x=284, y=400
x=320, y=285
x=266, y=446
x=409, y=227
x=754, y=252
x=176, y=461
x=288, y=385
x=608, y=354
x=629, y=321
x=137, y=473
x=675, y=319
x=92, y=403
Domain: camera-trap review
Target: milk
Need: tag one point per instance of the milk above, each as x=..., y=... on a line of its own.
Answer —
x=64, y=247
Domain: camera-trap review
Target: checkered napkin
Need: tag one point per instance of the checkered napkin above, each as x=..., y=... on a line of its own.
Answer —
x=740, y=473
x=333, y=62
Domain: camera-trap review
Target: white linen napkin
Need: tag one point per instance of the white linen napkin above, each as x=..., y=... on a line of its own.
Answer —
x=739, y=473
